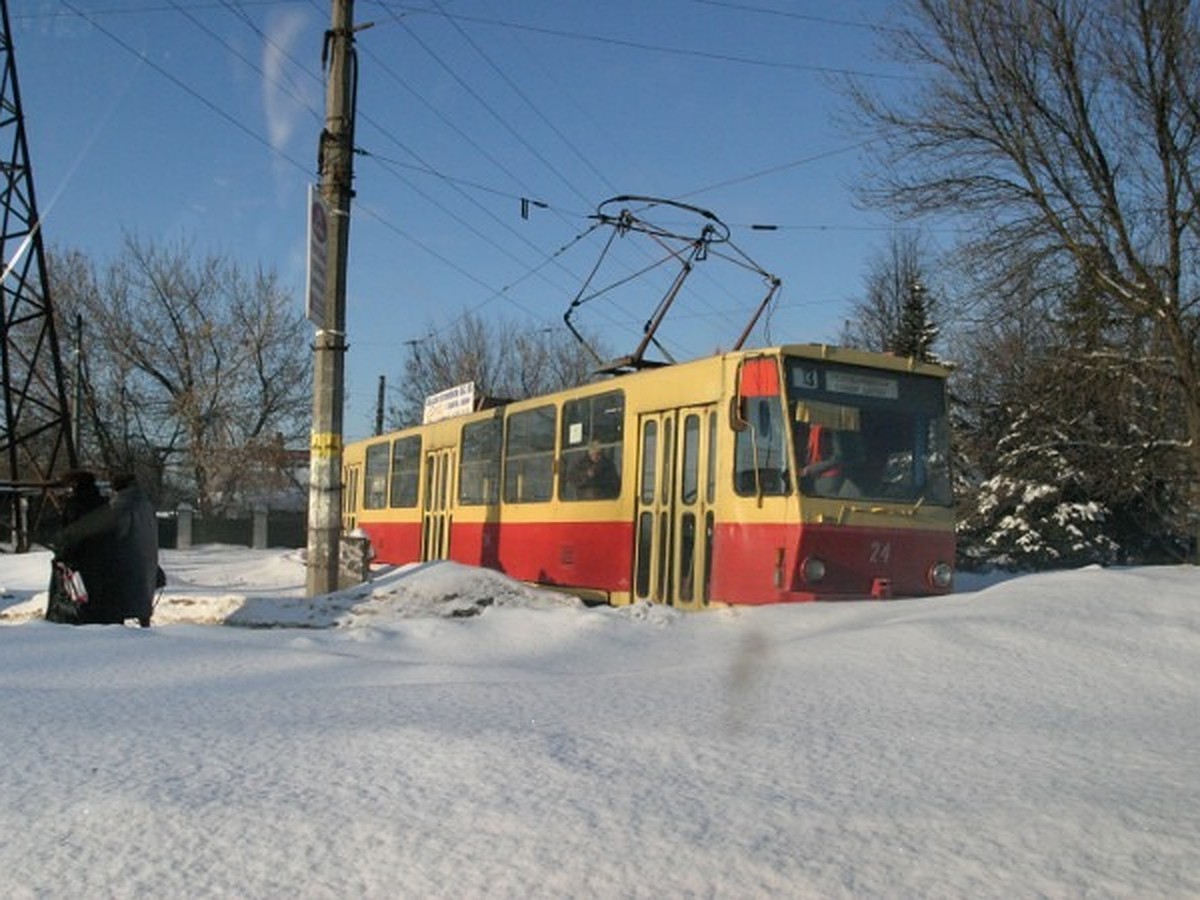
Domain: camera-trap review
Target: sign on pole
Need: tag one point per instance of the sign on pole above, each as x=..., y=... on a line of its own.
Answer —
x=318, y=254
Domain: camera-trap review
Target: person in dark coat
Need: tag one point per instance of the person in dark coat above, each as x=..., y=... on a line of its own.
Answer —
x=137, y=547
x=128, y=521
x=90, y=556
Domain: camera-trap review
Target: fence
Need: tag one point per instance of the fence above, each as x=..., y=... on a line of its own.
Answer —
x=261, y=529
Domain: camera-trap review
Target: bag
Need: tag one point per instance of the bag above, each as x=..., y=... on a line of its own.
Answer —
x=67, y=595
x=73, y=584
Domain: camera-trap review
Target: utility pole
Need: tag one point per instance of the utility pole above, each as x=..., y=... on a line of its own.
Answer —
x=334, y=156
x=379, y=399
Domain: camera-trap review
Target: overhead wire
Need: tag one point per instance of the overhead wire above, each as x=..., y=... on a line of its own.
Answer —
x=445, y=260
x=374, y=214
x=483, y=236
x=776, y=169
x=454, y=183
x=455, y=19
x=235, y=6
x=184, y=86
x=500, y=120
x=386, y=164
x=452, y=18
x=555, y=130
x=389, y=165
x=683, y=51
x=487, y=154
x=249, y=63
x=788, y=14
x=175, y=7
x=828, y=70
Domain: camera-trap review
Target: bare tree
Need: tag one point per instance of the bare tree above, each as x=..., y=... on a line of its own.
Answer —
x=192, y=365
x=504, y=360
x=891, y=274
x=1066, y=133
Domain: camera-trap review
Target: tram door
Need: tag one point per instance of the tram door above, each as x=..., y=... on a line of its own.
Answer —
x=438, y=509
x=674, y=517
x=351, y=479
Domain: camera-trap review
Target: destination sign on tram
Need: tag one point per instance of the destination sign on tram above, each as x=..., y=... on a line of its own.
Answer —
x=456, y=401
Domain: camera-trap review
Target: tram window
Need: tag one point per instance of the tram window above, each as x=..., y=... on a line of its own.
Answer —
x=479, y=466
x=376, y=480
x=760, y=451
x=649, y=460
x=907, y=458
x=645, y=552
x=529, y=456
x=868, y=434
x=668, y=460
x=710, y=480
x=592, y=440
x=406, y=470
x=691, y=459
x=687, y=556
x=832, y=457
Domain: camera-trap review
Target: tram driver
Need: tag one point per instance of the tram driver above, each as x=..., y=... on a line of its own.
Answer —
x=827, y=458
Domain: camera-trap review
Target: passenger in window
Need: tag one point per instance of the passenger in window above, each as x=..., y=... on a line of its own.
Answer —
x=594, y=475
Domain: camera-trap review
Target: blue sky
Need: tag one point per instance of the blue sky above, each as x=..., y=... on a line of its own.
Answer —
x=197, y=121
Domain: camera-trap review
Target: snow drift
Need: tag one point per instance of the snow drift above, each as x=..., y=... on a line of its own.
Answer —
x=447, y=732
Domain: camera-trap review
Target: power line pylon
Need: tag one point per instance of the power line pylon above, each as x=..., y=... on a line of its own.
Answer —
x=36, y=444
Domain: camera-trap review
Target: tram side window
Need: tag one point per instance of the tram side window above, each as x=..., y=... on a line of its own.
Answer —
x=760, y=451
x=529, y=456
x=375, y=484
x=593, y=430
x=479, y=464
x=406, y=471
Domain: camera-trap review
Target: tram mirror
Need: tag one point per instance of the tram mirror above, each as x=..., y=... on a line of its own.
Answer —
x=737, y=414
x=831, y=415
x=758, y=377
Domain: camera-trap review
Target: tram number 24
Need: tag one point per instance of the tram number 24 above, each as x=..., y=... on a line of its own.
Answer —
x=881, y=552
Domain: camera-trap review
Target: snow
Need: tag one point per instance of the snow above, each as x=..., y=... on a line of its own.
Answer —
x=446, y=732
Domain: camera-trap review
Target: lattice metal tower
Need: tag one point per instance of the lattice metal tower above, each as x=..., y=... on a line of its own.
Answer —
x=36, y=444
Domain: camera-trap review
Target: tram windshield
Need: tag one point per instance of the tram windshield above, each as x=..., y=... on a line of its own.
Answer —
x=868, y=433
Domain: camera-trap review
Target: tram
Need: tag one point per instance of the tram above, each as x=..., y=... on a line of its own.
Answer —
x=800, y=472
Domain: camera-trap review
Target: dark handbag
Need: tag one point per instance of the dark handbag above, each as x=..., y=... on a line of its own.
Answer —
x=67, y=595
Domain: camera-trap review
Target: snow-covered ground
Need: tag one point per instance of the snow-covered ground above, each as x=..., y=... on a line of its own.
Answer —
x=445, y=732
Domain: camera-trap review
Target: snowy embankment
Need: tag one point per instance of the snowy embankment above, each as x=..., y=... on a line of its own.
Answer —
x=446, y=732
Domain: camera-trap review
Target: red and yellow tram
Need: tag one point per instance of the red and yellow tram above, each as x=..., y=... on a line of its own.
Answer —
x=801, y=472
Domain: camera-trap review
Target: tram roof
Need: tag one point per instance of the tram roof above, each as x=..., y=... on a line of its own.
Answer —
x=824, y=352
x=827, y=352
x=890, y=361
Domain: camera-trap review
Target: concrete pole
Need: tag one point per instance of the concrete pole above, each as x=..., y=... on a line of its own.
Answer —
x=335, y=155
x=379, y=400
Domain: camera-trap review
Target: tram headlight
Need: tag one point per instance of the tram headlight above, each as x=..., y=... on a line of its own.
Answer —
x=812, y=569
x=941, y=575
